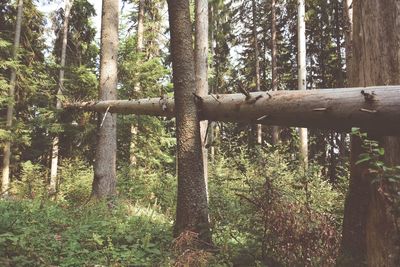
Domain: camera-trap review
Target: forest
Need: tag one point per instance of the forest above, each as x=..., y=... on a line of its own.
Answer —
x=200, y=133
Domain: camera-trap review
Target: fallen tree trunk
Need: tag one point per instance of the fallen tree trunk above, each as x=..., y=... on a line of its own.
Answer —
x=373, y=109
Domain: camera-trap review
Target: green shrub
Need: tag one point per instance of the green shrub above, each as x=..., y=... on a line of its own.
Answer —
x=267, y=210
x=33, y=234
x=75, y=181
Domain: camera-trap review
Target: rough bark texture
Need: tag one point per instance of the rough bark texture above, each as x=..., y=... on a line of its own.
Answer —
x=336, y=109
x=105, y=158
x=373, y=238
x=275, y=129
x=54, y=151
x=302, y=82
x=192, y=206
x=201, y=69
x=5, y=182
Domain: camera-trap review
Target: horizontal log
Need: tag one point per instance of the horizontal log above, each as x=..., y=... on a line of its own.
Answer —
x=374, y=109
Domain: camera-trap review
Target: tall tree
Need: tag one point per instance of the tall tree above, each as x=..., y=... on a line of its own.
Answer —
x=137, y=87
x=55, y=149
x=275, y=129
x=256, y=61
x=370, y=235
x=201, y=69
x=5, y=183
x=192, y=206
x=302, y=74
x=104, y=183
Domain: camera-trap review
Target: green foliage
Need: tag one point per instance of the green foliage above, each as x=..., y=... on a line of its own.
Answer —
x=385, y=177
x=31, y=184
x=75, y=181
x=267, y=210
x=33, y=234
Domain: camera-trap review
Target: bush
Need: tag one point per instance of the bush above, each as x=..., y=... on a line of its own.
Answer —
x=267, y=210
x=33, y=234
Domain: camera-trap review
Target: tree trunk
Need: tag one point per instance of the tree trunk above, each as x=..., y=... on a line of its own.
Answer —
x=302, y=82
x=201, y=69
x=374, y=109
x=192, y=206
x=348, y=35
x=372, y=237
x=256, y=63
x=212, y=84
x=137, y=87
x=54, y=151
x=5, y=182
x=275, y=129
x=105, y=158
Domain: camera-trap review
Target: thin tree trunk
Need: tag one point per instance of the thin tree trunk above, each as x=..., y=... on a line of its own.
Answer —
x=212, y=85
x=55, y=149
x=137, y=87
x=256, y=63
x=372, y=237
x=5, y=182
x=348, y=36
x=302, y=84
x=105, y=158
x=201, y=69
x=275, y=129
x=192, y=206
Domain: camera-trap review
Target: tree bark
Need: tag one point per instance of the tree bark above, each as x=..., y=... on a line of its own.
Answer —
x=137, y=87
x=302, y=82
x=348, y=35
x=192, y=206
x=212, y=85
x=275, y=129
x=373, y=238
x=256, y=64
x=105, y=158
x=201, y=69
x=54, y=151
x=5, y=182
x=374, y=109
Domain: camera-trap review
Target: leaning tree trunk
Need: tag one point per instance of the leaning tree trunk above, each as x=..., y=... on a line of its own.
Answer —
x=302, y=84
x=5, y=182
x=201, y=69
x=275, y=129
x=373, y=109
x=369, y=229
x=105, y=158
x=54, y=151
x=192, y=206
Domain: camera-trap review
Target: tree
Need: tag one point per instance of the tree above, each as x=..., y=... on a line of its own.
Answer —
x=5, y=183
x=201, y=69
x=256, y=62
x=275, y=129
x=139, y=50
x=104, y=183
x=370, y=236
x=336, y=109
x=192, y=206
x=302, y=82
x=55, y=148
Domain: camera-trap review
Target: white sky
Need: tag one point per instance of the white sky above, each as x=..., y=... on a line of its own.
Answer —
x=48, y=8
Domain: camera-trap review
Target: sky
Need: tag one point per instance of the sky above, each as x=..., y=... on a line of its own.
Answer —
x=48, y=8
